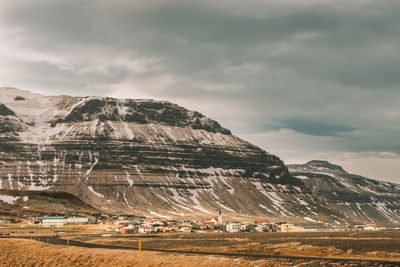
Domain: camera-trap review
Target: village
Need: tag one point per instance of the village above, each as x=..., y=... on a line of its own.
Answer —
x=264, y=237
x=133, y=224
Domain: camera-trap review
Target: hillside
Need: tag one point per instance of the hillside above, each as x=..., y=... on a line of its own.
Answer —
x=15, y=202
x=355, y=197
x=147, y=157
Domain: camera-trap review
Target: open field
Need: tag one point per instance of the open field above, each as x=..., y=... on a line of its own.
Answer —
x=18, y=252
x=367, y=245
x=35, y=230
x=381, y=245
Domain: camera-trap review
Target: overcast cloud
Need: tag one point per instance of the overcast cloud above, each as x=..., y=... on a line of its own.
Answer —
x=309, y=79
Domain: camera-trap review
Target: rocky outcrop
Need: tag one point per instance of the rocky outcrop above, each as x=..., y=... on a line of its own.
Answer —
x=5, y=111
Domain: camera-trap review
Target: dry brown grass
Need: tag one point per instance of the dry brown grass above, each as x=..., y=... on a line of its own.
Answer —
x=18, y=252
x=368, y=245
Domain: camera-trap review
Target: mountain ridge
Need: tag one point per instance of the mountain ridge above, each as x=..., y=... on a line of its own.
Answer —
x=322, y=164
x=353, y=195
x=157, y=158
x=67, y=139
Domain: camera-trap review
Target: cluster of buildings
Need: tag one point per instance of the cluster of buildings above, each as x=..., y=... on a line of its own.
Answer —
x=367, y=227
x=130, y=225
x=259, y=226
x=145, y=225
x=58, y=221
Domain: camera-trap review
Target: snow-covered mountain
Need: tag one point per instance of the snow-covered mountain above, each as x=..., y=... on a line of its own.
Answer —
x=355, y=197
x=149, y=157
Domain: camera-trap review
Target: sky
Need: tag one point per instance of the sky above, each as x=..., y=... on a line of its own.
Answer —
x=302, y=79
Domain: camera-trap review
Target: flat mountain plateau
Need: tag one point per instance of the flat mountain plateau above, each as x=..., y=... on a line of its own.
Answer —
x=159, y=159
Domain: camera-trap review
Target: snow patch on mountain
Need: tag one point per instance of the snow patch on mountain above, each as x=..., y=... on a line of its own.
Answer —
x=8, y=199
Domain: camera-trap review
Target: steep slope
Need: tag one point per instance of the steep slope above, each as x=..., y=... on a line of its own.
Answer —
x=15, y=202
x=145, y=156
x=139, y=156
x=356, y=198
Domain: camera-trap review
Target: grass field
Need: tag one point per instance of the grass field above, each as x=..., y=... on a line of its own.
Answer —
x=381, y=245
x=18, y=252
x=373, y=245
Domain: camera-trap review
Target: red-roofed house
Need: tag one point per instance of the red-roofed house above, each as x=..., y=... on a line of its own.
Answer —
x=261, y=221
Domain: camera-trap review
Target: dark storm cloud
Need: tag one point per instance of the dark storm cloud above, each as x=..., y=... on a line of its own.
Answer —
x=318, y=128
x=324, y=69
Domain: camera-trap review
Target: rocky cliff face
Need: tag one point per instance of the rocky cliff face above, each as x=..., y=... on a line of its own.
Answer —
x=356, y=198
x=136, y=155
x=144, y=156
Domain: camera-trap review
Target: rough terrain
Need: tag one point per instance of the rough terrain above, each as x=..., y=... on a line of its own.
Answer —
x=159, y=159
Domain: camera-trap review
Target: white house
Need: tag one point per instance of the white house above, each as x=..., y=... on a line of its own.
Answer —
x=261, y=228
x=185, y=230
x=77, y=220
x=233, y=227
x=370, y=227
x=53, y=221
x=289, y=227
x=145, y=230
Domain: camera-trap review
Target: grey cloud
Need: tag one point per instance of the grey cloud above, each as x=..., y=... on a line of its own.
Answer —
x=317, y=128
x=327, y=69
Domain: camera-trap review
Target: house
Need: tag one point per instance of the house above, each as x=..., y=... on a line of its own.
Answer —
x=185, y=230
x=145, y=230
x=286, y=227
x=220, y=227
x=298, y=229
x=370, y=227
x=127, y=230
x=53, y=221
x=233, y=227
x=209, y=223
x=262, y=221
x=155, y=222
x=77, y=220
x=160, y=229
x=262, y=228
x=117, y=222
x=169, y=228
x=184, y=225
x=212, y=220
x=137, y=220
x=289, y=227
x=118, y=228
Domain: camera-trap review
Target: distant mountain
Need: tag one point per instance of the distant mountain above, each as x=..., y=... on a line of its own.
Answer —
x=321, y=166
x=156, y=158
x=356, y=198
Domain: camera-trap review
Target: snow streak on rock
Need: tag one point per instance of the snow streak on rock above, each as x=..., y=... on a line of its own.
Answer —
x=154, y=157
